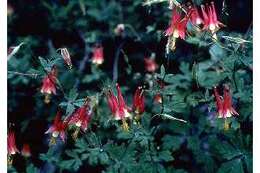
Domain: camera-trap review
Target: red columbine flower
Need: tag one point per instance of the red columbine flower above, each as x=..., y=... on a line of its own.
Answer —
x=178, y=25
x=150, y=64
x=158, y=98
x=98, y=55
x=66, y=56
x=49, y=84
x=138, y=102
x=224, y=106
x=26, y=151
x=210, y=20
x=57, y=128
x=11, y=147
x=118, y=107
x=194, y=16
x=80, y=118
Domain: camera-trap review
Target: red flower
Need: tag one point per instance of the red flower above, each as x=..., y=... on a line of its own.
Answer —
x=150, y=64
x=11, y=146
x=81, y=117
x=178, y=25
x=224, y=106
x=138, y=102
x=117, y=104
x=26, y=151
x=98, y=55
x=66, y=57
x=58, y=128
x=158, y=98
x=210, y=20
x=49, y=82
x=194, y=16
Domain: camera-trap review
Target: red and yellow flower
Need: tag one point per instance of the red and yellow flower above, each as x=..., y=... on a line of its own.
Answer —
x=138, y=101
x=11, y=146
x=210, y=19
x=118, y=107
x=57, y=129
x=224, y=105
x=49, y=84
x=98, y=55
x=80, y=119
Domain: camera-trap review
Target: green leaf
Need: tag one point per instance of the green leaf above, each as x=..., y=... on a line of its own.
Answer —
x=162, y=73
x=172, y=143
x=44, y=64
x=165, y=155
x=233, y=166
x=103, y=158
x=31, y=169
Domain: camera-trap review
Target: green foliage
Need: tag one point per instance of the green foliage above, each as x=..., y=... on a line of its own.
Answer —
x=181, y=134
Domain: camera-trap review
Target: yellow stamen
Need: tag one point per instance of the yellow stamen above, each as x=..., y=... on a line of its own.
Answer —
x=52, y=141
x=226, y=125
x=47, y=99
x=75, y=134
x=125, y=125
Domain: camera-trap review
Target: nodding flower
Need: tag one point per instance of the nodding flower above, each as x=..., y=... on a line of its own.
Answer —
x=194, y=16
x=49, y=84
x=26, y=151
x=138, y=101
x=210, y=19
x=80, y=119
x=98, y=55
x=150, y=64
x=158, y=98
x=119, y=30
x=224, y=105
x=11, y=147
x=57, y=129
x=177, y=28
x=66, y=56
x=118, y=106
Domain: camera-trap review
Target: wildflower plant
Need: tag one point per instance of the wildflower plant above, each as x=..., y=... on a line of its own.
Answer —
x=123, y=86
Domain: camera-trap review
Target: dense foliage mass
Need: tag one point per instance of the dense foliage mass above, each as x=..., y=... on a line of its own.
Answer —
x=122, y=86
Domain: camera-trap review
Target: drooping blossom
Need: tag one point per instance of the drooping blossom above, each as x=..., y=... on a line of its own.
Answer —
x=118, y=106
x=26, y=150
x=57, y=129
x=98, y=55
x=224, y=105
x=194, y=16
x=138, y=101
x=119, y=30
x=178, y=25
x=66, y=56
x=158, y=98
x=80, y=119
x=150, y=64
x=210, y=19
x=11, y=145
x=49, y=82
